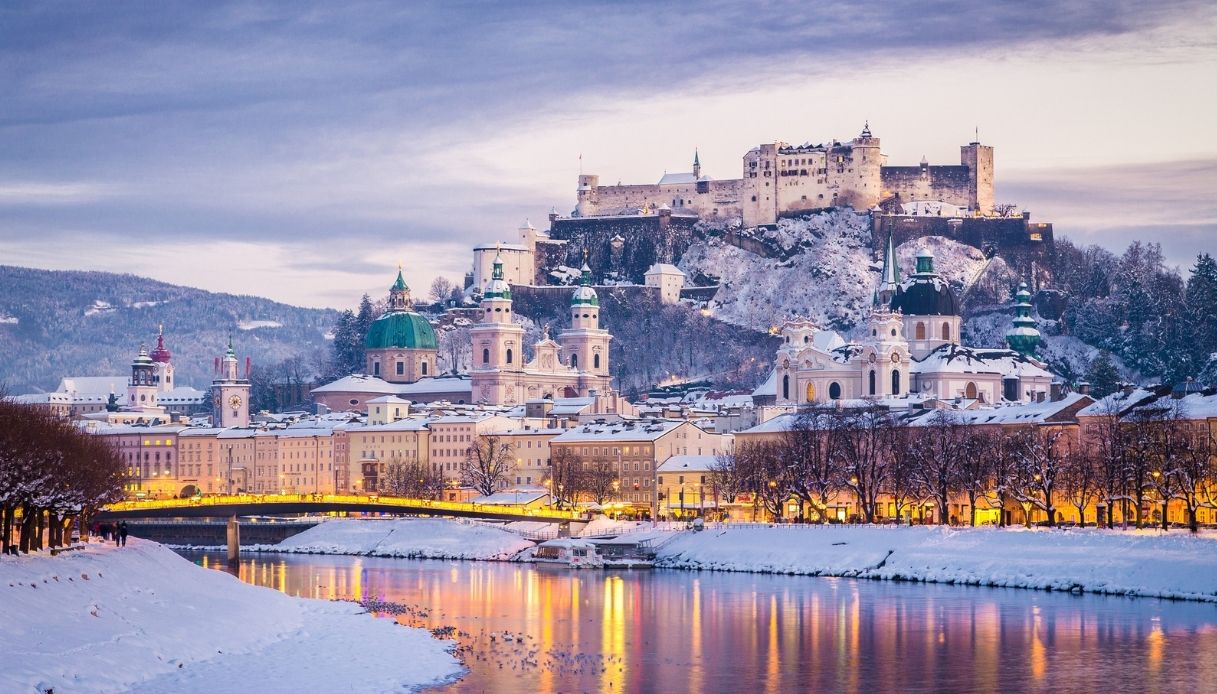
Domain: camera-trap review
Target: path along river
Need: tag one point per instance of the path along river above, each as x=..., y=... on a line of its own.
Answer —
x=524, y=628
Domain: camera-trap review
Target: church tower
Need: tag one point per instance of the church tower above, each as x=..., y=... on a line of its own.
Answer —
x=891, y=274
x=164, y=363
x=1024, y=337
x=585, y=343
x=497, y=343
x=142, y=388
x=230, y=392
x=884, y=358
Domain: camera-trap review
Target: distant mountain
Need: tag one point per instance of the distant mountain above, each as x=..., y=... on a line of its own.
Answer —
x=56, y=323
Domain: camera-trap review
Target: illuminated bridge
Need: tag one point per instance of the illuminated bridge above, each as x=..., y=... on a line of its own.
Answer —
x=275, y=504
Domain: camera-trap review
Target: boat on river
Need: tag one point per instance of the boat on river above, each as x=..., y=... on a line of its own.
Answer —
x=579, y=553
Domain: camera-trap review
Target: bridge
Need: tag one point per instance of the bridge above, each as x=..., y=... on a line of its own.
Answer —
x=275, y=504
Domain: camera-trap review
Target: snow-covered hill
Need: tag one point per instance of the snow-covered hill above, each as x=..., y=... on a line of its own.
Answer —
x=827, y=272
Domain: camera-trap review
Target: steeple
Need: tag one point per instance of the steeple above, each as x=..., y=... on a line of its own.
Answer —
x=866, y=130
x=696, y=165
x=1024, y=337
x=891, y=273
x=497, y=287
x=161, y=354
x=399, y=294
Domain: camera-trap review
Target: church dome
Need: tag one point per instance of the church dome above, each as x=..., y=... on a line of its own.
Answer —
x=402, y=329
x=584, y=294
x=925, y=293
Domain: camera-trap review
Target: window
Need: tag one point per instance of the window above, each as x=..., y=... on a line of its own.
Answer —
x=872, y=382
x=786, y=387
x=834, y=391
x=811, y=392
x=508, y=355
x=920, y=331
x=574, y=361
x=596, y=361
x=895, y=382
x=375, y=368
x=485, y=356
x=424, y=368
x=401, y=368
x=946, y=331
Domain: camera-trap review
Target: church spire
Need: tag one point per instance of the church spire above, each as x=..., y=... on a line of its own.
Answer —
x=696, y=164
x=399, y=294
x=891, y=273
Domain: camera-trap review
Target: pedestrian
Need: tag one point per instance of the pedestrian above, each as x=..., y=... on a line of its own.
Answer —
x=122, y=532
x=105, y=532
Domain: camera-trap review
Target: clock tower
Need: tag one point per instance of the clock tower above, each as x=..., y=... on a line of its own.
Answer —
x=229, y=393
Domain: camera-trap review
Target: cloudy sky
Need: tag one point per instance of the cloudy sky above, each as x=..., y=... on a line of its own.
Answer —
x=300, y=151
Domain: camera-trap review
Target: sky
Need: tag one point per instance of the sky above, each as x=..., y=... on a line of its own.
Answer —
x=301, y=151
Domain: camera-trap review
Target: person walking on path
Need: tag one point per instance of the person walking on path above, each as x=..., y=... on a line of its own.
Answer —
x=122, y=532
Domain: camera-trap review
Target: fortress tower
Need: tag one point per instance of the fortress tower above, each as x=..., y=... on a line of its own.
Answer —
x=979, y=160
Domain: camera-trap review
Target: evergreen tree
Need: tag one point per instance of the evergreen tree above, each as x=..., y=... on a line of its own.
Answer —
x=348, y=345
x=1200, y=310
x=1103, y=376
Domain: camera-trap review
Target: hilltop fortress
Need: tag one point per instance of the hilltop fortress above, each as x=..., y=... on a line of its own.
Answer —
x=780, y=179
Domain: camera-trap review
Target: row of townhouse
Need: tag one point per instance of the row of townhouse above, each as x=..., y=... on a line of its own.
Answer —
x=1079, y=421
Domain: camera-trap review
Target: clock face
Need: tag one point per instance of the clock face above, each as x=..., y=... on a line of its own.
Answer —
x=234, y=402
x=895, y=358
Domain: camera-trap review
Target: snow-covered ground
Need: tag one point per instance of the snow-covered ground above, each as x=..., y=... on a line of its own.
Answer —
x=1148, y=563
x=419, y=538
x=143, y=619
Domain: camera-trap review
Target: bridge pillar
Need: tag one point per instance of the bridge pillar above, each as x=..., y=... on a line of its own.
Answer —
x=234, y=541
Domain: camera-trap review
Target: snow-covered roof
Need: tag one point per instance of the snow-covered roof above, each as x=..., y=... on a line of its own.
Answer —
x=408, y=424
x=957, y=359
x=665, y=269
x=1030, y=413
x=619, y=431
x=677, y=178
x=770, y=385
x=93, y=385
x=363, y=383
x=501, y=247
x=688, y=463
x=388, y=400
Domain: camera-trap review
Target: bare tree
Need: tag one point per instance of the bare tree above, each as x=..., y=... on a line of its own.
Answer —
x=938, y=450
x=1080, y=480
x=1043, y=453
x=807, y=450
x=725, y=477
x=1195, y=470
x=862, y=449
x=412, y=479
x=902, y=484
x=441, y=289
x=566, y=479
x=762, y=475
x=1108, y=439
x=487, y=464
x=600, y=481
x=974, y=468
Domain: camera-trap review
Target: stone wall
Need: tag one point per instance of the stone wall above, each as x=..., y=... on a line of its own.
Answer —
x=950, y=184
x=1024, y=245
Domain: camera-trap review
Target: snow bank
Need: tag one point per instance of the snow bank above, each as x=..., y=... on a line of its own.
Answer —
x=1146, y=564
x=143, y=619
x=418, y=538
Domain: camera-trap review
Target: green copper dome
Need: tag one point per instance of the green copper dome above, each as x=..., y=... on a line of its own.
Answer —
x=402, y=329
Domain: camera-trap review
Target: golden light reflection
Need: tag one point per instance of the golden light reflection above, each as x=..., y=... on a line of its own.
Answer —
x=1039, y=655
x=773, y=679
x=1156, y=641
x=696, y=671
x=613, y=634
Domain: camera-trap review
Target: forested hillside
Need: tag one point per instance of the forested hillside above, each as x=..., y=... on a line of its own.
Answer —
x=56, y=323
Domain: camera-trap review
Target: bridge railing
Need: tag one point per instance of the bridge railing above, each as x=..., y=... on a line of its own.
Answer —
x=522, y=512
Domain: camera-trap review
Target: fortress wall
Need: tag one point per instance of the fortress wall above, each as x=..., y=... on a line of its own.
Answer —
x=951, y=184
x=1022, y=244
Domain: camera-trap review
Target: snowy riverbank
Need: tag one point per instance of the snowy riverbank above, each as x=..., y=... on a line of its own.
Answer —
x=413, y=538
x=1146, y=563
x=143, y=619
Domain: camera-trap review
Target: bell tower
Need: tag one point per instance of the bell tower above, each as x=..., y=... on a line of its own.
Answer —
x=230, y=392
x=585, y=344
x=142, y=388
x=498, y=343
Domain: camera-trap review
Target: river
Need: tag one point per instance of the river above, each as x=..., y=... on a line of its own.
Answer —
x=674, y=631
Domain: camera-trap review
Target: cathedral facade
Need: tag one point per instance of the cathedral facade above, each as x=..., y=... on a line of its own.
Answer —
x=575, y=365
x=910, y=349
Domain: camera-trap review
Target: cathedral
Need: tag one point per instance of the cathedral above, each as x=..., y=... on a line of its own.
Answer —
x=577, y=365
x=910, y=349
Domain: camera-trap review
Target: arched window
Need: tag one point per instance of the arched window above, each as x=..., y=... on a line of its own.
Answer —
x=834, y=391
x=811, y=392
x=872, y=382
x=946, y=331
x=895, y=381
x=970, y=390
x=920, y=332
x=574, y=361
x=424, y=368
x=375, y=368
x=508, y=355
x=596, y=361
x=786, y=387
x=485, y=356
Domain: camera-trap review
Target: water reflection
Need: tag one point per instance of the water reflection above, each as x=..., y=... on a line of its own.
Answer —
x=676, y=631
